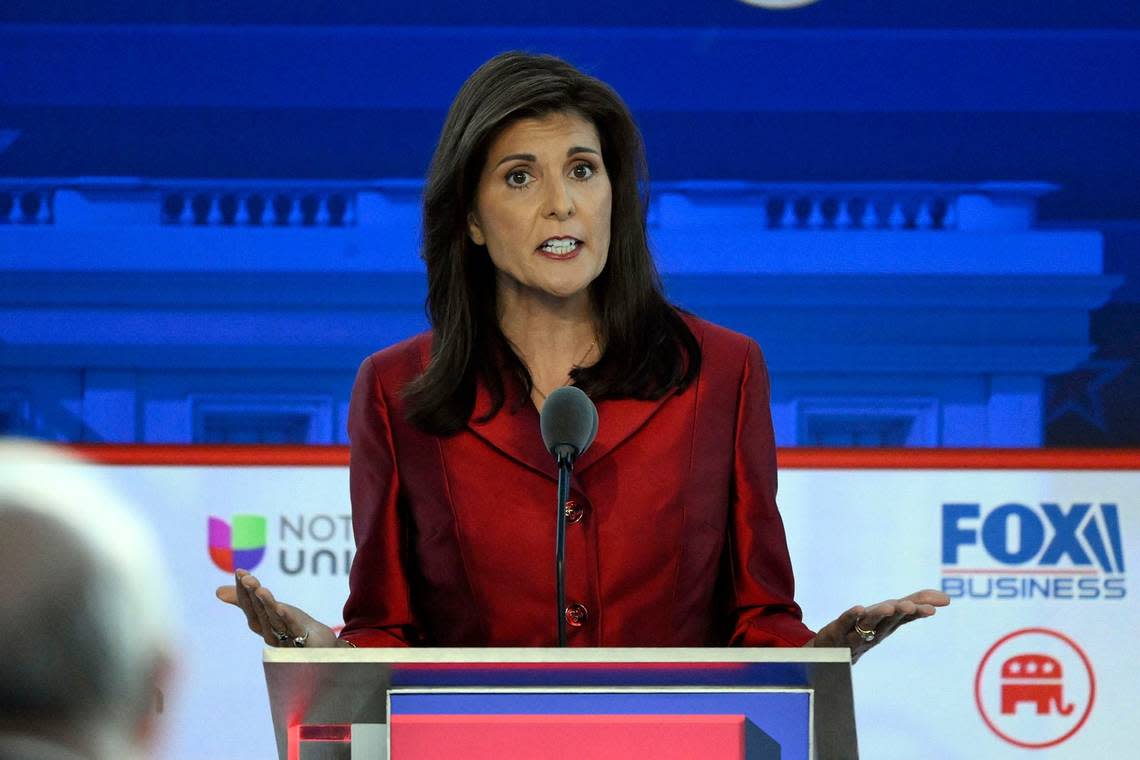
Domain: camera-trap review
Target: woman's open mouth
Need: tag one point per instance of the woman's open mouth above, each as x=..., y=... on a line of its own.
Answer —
x=562, y=247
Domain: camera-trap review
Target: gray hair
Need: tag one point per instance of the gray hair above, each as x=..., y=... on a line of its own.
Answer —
x=81, y=598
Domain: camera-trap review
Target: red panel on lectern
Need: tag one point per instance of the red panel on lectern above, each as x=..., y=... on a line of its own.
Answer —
x=568, y=737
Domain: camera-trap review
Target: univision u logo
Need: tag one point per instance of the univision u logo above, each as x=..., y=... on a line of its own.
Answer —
x=242, y=546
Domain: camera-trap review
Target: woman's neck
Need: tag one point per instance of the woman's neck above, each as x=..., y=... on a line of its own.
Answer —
x=550, y=335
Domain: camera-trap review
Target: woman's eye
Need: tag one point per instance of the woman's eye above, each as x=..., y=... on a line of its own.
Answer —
x=517, y=178
x=582, y=171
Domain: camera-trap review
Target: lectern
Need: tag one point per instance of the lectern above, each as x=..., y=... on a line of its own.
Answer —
x=633, y=704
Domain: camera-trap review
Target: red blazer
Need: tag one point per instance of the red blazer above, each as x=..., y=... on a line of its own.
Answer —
x=675, y=539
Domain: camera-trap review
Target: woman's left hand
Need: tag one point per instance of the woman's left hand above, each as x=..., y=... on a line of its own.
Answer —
x=862, y=628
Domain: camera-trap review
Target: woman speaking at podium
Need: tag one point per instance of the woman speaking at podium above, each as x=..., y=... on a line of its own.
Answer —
x=540, y=276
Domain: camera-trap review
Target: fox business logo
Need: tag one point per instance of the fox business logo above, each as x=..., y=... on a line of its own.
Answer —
x=1044, y=551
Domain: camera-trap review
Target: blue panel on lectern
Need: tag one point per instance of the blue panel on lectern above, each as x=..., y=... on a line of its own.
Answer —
x=783, y=715
x=678, y=674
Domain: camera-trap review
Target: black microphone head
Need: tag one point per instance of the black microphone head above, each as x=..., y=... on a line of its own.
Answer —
x=568, y=419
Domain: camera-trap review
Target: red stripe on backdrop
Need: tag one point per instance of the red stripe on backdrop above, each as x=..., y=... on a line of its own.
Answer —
x=793, y=458
x=960, y=459
x=219, y=456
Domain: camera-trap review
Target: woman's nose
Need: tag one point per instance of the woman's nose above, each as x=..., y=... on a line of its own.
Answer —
x=559, y=201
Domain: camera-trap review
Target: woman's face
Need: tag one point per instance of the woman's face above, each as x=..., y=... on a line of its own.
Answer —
x=542, y=206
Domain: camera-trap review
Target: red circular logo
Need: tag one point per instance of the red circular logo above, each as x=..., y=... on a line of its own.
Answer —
x=1035, y=688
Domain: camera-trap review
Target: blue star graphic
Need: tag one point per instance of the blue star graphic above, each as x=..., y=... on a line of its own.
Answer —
x=1080, y=392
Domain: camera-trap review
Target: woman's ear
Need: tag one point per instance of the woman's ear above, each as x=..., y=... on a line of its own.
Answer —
x=474, y=230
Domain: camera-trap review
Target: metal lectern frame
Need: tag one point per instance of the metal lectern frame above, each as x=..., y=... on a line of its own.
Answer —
x=344, y=686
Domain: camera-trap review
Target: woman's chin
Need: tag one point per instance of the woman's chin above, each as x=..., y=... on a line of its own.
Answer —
x=540, y=286
x=560, y=288
x=563, y=290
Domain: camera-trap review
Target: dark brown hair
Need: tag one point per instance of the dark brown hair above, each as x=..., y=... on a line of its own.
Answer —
x=648, y=349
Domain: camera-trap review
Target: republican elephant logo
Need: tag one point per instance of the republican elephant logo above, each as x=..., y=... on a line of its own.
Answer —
x=1034, y=678
x=1035, y=688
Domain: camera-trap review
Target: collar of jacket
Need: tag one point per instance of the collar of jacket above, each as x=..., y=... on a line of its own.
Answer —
x=517, y=434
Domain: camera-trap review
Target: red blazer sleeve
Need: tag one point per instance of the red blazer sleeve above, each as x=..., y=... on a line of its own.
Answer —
x=762, y=587
x=378, y=612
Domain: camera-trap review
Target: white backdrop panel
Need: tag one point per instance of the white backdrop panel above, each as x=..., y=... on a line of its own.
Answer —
x=856, y=536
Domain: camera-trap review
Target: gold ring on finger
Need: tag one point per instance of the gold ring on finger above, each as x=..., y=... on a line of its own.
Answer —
x=865, y=635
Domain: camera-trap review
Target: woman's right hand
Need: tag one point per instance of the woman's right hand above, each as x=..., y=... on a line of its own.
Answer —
x=278, y=624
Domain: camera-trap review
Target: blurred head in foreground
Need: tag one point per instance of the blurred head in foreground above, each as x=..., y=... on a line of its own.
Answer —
x=85, y=645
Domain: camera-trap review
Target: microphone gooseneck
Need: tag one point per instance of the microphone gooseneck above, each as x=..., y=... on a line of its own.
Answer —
x=569, y=423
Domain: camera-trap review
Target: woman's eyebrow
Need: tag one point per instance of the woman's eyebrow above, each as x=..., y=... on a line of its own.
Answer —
x=531, y=157
x=518, y=157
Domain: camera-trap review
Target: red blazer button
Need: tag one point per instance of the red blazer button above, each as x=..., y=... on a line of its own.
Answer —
x=577, y=615
x=574, y=511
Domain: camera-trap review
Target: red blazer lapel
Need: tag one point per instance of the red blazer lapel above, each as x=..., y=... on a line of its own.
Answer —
x=518, y=435
x=515, y=433
x=618, y=419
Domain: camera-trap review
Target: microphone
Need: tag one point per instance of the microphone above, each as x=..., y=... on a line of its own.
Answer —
x=569, y=423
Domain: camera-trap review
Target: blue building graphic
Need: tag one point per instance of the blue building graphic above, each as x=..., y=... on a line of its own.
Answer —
x=926, y=215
